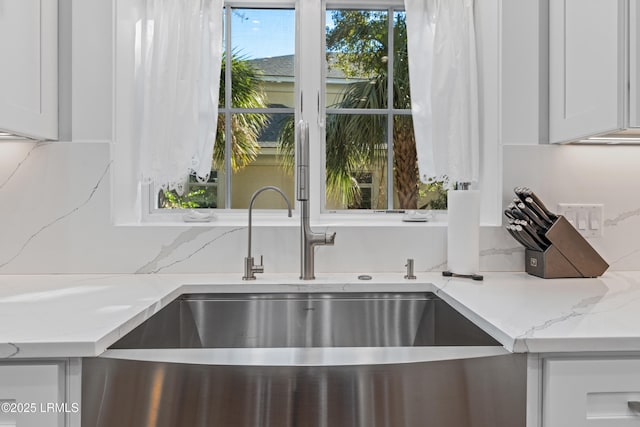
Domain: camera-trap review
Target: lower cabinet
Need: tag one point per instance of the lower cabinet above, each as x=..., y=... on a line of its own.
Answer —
x=590, y=392
x=39, y=394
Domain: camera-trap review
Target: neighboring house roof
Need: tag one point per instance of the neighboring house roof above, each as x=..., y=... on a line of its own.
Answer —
x=283, y=66
x=269, y=135
x=276, y=66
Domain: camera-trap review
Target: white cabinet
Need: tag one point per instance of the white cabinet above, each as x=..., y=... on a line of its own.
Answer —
x=591, y=392
x=29, y=70
x=40, y=393
x=27, y=392
x=586, y=67
x=523, y=92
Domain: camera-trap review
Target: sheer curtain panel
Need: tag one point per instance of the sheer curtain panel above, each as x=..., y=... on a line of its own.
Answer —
x=179, y=79
x=444, y=88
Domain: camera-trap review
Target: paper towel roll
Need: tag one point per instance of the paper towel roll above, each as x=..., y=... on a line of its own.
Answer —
x=463, y=236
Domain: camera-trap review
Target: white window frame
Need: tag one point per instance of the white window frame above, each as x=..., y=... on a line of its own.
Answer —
x=128, y=196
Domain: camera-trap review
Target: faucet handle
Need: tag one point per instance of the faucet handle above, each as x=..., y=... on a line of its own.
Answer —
x=409, y=266
x=330, y=238
x=258, y=268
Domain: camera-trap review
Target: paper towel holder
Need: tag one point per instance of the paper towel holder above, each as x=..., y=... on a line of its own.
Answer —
x=463, y=261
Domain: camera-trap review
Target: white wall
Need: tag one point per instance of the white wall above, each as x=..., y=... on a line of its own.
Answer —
x=56, y=199
x=586, y=174
x=56, y=219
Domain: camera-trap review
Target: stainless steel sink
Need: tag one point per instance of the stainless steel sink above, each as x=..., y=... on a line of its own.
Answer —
x=306, y=359
x=390, y=319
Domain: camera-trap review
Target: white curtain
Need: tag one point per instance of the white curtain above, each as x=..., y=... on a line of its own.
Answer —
x=444, y=88
x=179, y=79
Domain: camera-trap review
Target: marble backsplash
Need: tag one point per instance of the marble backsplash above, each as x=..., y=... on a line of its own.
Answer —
x=56, y=219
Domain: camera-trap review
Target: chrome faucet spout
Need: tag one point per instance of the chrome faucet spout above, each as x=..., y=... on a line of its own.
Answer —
x=250, y=269
x=308, y=238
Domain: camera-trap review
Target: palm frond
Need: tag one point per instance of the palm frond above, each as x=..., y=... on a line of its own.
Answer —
x=247, y=92
x=286, y=145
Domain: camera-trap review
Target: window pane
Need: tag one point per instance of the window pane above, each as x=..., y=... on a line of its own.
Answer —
x=221, y=97
x=401, y=93
x=356, y=161
x=196, y=195
x=262, y=159
x=357, y=45
x=263, y=46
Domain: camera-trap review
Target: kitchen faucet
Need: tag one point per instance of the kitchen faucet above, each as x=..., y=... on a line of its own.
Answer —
x=308, y=238
x=249, y=267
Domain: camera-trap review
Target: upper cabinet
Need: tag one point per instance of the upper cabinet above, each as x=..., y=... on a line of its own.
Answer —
x=587, y=67
x=29, y=71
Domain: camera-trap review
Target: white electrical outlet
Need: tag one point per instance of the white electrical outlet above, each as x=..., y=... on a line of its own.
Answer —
x=586, y=218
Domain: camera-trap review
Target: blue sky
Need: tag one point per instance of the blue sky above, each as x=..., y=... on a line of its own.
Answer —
x=263, y=33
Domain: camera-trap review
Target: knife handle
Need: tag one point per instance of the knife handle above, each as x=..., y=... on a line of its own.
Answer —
x=516, y=236
x=531, y=244
x=539, y=202
x=518, y=214
x=540, y=239
x=508, y=214
x=531, y=215
x=538, y=210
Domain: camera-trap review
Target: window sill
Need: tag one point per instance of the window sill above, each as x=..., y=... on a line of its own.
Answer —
x=261, y=219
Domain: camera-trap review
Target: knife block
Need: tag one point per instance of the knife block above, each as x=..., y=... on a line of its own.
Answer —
x=569, y=255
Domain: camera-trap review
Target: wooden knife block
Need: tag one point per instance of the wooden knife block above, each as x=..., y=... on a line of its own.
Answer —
x=569, y=255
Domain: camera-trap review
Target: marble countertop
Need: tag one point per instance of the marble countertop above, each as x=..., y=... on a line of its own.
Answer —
x=81, y=315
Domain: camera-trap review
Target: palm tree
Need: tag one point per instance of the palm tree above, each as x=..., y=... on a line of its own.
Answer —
x=248, y=92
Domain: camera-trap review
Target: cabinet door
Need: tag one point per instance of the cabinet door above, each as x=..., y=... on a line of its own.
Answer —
x=29, y=70
x=591, y=392
x=32, y=395
x=634, y=64
x=585, y=68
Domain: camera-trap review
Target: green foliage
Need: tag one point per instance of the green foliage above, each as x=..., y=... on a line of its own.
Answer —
x=354, y=143
x=247, y=92
x=359, y=42
x=433, y=195
x=196, y=198
x=401, y=84
x=286, y=142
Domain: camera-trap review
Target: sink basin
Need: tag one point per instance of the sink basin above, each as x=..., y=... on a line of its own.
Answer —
x=274, y=320
x=381, y=359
